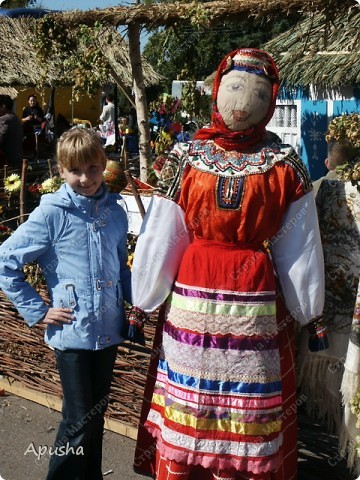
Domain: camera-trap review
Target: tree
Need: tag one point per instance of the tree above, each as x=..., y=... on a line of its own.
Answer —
x=18, y=3
x=187, y=52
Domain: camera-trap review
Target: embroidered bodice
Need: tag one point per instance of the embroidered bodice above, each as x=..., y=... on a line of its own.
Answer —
x=244, y=194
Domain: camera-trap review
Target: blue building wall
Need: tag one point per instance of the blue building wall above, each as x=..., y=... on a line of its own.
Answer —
x=346, y=106
x=314, y=122
x=315, y=117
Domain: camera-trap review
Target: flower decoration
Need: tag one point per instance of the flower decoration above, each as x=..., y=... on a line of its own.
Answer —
x=165, y=106
x=355, y=409
x=5, y=232
x=349, y=171
x=33, y=275
x=34, y=188
x=12, y=183
x=131, y=244
x=130, y=260
x=346, y=127
x=50, y=185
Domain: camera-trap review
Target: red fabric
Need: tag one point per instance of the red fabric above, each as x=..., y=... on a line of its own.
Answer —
x=286, y=337
x=145, y=451
x=263, y=218
x=145, y=454
x=203, y=269
x=170, y=470
x=218, y=131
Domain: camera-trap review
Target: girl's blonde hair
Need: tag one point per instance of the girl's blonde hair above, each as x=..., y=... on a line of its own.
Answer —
x=77, y=147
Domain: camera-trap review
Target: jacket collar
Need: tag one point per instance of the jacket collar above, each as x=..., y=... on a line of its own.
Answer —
x=88, y=205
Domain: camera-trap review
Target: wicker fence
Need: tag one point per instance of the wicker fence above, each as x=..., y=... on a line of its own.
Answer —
x=25, y=357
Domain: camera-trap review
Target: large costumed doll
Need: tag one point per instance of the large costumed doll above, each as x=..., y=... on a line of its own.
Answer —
x=232, y=207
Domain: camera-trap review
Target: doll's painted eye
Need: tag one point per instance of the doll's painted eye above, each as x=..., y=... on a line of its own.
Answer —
x=235, y=87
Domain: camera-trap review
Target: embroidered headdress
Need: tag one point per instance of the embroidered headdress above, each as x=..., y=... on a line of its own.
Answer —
x=250, y=60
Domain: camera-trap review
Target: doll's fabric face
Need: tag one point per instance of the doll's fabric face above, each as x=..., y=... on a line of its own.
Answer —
x=243, y=99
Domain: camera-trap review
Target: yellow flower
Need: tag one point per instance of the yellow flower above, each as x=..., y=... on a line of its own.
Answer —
x=12, y=183
x=50, y=185
x=130, y=260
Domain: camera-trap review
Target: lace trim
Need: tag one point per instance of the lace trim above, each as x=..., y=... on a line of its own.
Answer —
x=239, y=455
x=222, y=324
x=228, y=365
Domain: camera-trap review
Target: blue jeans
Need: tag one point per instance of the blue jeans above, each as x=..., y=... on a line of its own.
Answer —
x=85, y=379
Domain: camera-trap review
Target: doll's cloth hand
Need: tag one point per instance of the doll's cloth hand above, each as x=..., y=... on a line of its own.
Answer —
x=318, y=339
x=137, y=319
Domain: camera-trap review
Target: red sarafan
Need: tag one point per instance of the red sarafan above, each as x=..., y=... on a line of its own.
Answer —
x=230, y=248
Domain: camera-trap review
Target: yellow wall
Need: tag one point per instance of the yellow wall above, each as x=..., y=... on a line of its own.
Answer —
x=88, y=108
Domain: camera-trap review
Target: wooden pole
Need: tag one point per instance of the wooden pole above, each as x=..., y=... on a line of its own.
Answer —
x=50, y=168
x=116, y=125
x=130, y=180
x=140, y=100
x=23, y=190
x=135, y=192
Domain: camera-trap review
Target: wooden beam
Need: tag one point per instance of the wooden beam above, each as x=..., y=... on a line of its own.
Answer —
x=200, y=13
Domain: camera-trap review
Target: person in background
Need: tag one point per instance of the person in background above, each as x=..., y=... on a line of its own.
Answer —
x=32, y=119
x=183, y=136
x=11, y=134
x=33, y=113
x=321, y=374
x=108, y=112
x=338, y=153
x=78, y=237
x=220, y=401
x=133, y=126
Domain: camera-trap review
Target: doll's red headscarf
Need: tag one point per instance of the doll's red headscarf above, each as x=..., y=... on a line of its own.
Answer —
x=249, y=60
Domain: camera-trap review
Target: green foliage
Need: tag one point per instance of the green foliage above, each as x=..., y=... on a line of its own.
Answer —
x=18, y=3
x=195, y=103
x=82, y=63
x=189, y=51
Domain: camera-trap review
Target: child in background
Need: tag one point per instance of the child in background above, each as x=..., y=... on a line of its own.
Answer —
x=78, y=237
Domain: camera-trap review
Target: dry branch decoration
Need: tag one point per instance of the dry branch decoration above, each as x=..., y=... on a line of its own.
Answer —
x=77, y=50
x=21, y=64
x=25, y=357
x=322, y=50
x=154, y=15
x=346, y=129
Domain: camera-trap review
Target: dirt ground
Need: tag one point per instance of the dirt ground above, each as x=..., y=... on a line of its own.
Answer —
x=26, y=426
x=23, y=423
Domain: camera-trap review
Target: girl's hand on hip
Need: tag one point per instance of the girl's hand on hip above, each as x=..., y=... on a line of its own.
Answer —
x=58, y=316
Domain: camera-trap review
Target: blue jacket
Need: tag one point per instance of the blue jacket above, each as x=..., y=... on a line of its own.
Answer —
x=80, y=245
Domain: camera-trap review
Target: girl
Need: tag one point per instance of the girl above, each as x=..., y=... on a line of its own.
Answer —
x=78, y=237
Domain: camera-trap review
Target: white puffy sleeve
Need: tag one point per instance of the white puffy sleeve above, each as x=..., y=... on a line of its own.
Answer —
x=162, y=241
x=298, y=259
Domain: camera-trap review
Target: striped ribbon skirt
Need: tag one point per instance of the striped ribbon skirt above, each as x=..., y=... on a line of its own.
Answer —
x=218, y=400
